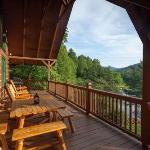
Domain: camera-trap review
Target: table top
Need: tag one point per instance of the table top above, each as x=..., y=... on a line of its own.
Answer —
x=25, y=108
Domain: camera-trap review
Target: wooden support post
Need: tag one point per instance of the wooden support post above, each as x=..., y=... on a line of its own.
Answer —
x=55, y=85
x=48, y=73
x=66, y=97
x=89, y=86
x=146, y=96
x=48, y=88
x=48, y=65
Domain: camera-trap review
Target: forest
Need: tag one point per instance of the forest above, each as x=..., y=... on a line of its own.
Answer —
x=81, y=69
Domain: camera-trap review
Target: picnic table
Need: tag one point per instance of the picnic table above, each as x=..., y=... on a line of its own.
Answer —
x=22, y=109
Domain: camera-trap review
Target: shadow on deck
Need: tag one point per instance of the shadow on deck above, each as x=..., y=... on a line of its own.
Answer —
x=90, y=133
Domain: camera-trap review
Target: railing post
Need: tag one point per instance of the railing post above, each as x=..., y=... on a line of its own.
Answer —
x=66, y=96
x=48, y=85
x=89, y=86
x=55, y=87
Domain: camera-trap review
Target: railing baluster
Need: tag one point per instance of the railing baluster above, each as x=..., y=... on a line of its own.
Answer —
x=106, y=112
x=112, y=109
x=125, y=119
x=102, y=105
x=130, y=116
x=98, y=104
x=135, y=119
x=109, y=108
x=116, y=111
x=120, y=113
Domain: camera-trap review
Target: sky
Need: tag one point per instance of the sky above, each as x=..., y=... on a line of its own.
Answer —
x=104, y=31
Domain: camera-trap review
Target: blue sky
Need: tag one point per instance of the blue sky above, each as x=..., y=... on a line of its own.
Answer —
x=104, y=31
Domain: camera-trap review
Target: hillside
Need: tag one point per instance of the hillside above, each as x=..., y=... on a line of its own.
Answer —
x=134, y=66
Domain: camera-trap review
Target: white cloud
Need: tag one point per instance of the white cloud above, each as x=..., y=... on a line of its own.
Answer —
x=102, y=30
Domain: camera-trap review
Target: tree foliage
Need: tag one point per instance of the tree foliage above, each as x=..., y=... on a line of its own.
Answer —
x=81, y=69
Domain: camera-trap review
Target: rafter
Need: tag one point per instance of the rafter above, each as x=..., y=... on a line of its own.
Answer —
x=140, y=19
x=54, y=36
x=45, y=7
x=65, y=2
x=139, y=3
x=63, y=12
x=126, y=3
x=24, y=28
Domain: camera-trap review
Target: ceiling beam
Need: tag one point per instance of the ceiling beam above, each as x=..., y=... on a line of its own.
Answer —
x=140, y=3
x=30, y=58
x=24, y=26
x=55, y=32
x=120, y=3
x=63, y=13
x=140, y=19
x=64, y=2
x=45, y=8
x=61, y=28
x=125, y=3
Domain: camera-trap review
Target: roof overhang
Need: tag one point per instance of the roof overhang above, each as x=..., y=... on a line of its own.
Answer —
x=35, y=28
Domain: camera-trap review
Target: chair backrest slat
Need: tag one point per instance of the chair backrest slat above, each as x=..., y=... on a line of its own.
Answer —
x=10, y=94
x=13, y=85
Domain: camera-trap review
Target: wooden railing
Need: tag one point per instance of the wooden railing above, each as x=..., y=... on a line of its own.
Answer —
x=36, y=84
x=121, y=111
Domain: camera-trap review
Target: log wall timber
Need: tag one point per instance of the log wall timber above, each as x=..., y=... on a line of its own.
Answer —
x=0, y=69
x=1, y=30
x=3, y=53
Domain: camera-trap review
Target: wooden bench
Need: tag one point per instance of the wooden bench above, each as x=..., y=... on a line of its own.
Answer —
x=3, y=129
x=20, y=134
x=64, y=113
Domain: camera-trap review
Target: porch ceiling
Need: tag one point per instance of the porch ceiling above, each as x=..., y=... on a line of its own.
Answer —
x=35, y=28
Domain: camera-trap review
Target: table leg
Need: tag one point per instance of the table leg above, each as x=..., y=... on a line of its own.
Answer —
x=19, y=143
x=21, y=122
x=3, y=141
x=61, y=140
x=54, y=115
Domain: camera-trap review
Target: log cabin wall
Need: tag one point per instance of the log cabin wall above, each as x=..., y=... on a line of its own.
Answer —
x=0, y=51
x=4, y=63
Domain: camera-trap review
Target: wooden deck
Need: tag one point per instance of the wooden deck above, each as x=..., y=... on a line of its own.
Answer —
x=90, y=134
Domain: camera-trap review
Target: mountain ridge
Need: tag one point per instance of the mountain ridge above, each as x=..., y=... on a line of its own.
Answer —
x=134, y=66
